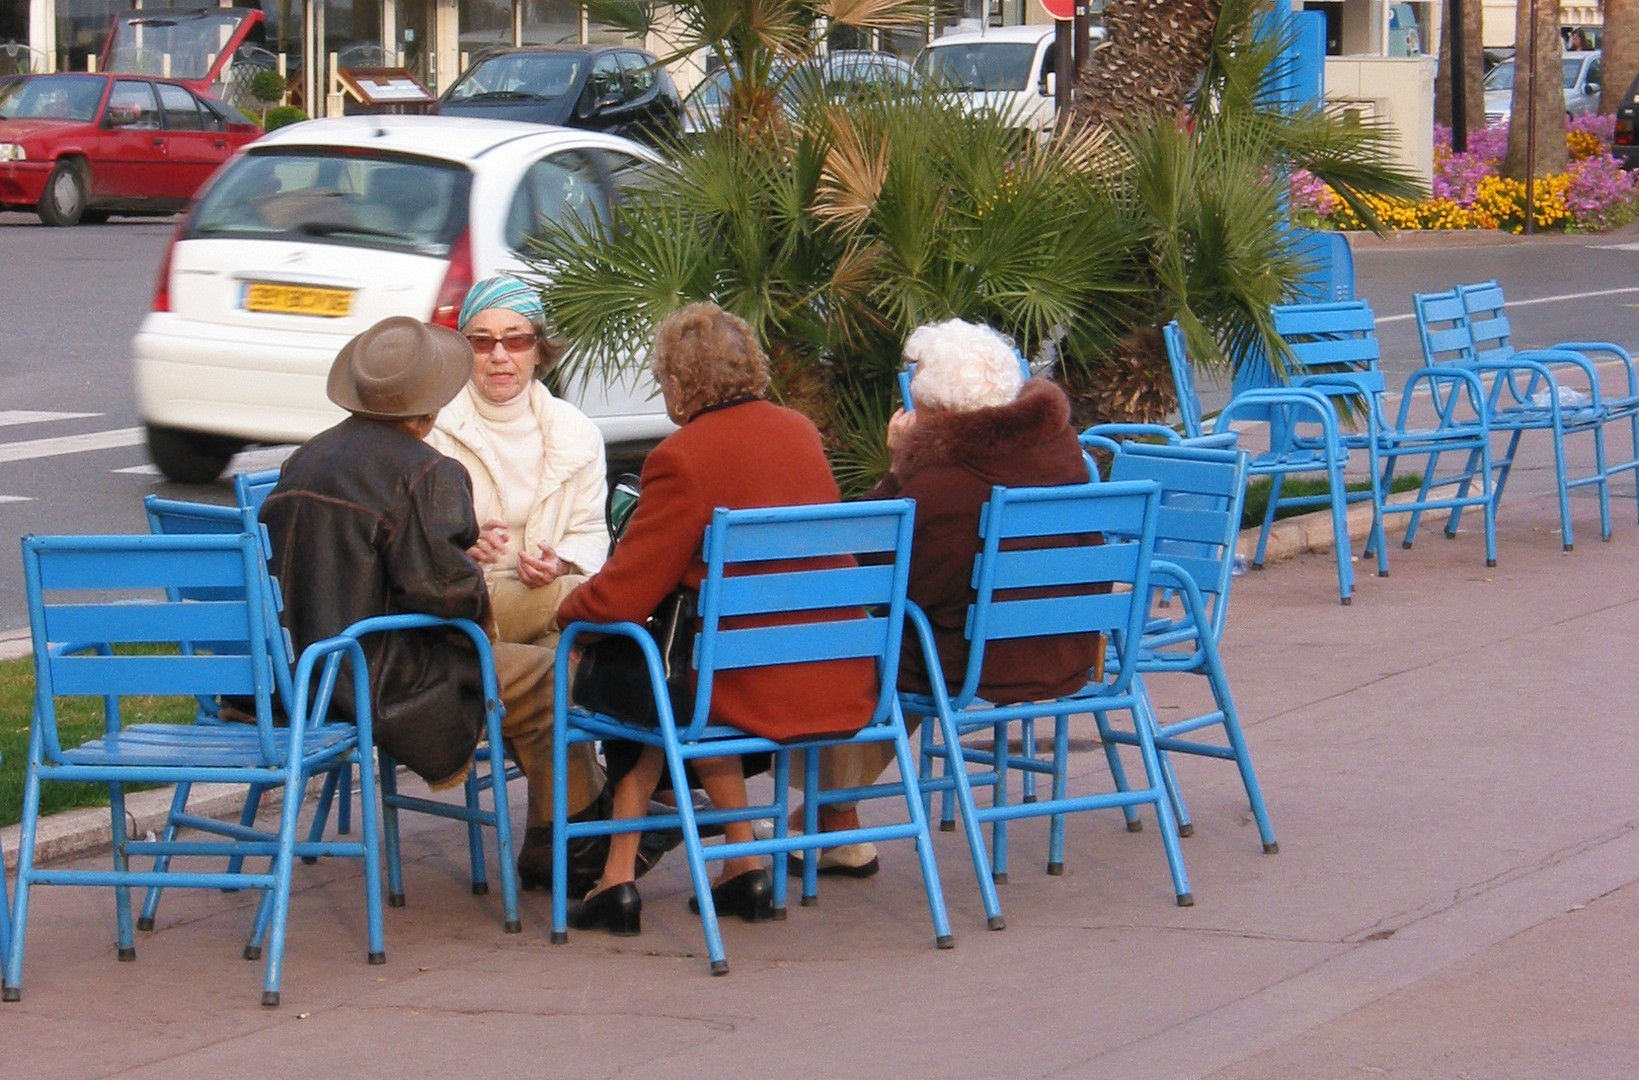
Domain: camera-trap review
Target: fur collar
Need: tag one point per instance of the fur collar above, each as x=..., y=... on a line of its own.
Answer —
x=985, y=439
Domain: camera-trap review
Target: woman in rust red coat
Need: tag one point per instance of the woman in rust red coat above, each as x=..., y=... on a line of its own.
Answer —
x=738, y=450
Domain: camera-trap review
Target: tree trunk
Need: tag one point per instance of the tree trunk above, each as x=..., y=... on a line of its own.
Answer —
x=1473, y=67
x=1548, y=87
x=1620, y=46
x=1149, y=62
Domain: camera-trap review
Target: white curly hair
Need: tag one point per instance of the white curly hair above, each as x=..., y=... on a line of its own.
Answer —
x=962, y=366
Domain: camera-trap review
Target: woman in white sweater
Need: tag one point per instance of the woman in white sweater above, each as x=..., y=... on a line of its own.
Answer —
x=536, y=462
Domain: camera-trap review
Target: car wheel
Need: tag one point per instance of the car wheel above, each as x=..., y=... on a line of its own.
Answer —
x=189, y=457
x=63, y=200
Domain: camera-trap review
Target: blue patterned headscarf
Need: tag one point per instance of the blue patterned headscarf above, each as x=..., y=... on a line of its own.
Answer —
x=502, y=291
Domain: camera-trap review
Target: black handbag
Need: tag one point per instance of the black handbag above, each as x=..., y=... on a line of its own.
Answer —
x=613, y=678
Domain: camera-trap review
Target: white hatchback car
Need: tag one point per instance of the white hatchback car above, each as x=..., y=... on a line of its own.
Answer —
x=1008, y=69
x=320, y=229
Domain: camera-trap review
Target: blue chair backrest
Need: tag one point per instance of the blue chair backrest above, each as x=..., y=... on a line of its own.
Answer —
x=1490, y=336
x=1199, y=520
x=1442, y=328
x=252, y=489
x=802, y=565
x=97, y=592
x=1183, y=379
x=1070, y=540
x=1333, y=340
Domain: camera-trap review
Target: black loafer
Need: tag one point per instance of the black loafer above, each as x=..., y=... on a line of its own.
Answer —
x=749, y=895
x=617, y=909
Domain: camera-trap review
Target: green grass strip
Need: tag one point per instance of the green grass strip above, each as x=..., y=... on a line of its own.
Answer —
x=1257, y=495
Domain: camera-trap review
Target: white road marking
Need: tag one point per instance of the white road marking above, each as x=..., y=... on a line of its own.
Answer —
x=270, y=457
x=71, y=444
x=1540, y=299
x=23, y=416
x=16, y=498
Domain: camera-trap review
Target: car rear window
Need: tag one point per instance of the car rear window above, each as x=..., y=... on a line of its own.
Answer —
x=356, y=198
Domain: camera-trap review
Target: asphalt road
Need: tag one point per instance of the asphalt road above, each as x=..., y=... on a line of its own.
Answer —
x=71, y=452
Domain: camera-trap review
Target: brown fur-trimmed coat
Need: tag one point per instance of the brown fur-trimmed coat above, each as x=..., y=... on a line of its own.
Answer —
x=948, y=463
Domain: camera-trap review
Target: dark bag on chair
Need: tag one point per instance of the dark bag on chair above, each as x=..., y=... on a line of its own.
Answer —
x=613, y=678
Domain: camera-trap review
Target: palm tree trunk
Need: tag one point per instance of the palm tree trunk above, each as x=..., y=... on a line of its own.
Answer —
x=1548, y=87
x=1149, y=62
x=1473, y=68
x=1620, y=44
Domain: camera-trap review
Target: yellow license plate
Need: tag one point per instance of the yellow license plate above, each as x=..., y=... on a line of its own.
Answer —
x=299, y=300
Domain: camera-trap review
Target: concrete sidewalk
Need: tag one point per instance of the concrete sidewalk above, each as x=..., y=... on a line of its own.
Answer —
x=1448, y=763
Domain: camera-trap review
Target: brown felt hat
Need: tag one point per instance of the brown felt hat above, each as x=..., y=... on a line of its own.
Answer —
x=398, y=368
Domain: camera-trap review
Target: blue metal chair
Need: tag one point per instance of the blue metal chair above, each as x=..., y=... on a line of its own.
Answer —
x=5, y=912
x=1304, y=438
x=170, y=516
x=88, y=595
x=1527, y=391
x=1202, y=490
x=749, y=573
x=1047, y=540
x=1334, y=350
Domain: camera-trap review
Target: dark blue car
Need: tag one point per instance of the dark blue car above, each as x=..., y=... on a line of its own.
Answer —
x=611, y=88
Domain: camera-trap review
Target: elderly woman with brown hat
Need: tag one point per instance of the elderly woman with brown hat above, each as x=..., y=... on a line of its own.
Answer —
x=735, y=449
x=367, y=519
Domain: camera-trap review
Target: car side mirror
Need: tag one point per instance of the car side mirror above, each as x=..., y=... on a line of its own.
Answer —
x=1593, y=87
x=1049, y=84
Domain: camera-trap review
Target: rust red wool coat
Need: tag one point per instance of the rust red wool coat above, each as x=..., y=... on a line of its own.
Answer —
x=743, y=455
x=948, y=463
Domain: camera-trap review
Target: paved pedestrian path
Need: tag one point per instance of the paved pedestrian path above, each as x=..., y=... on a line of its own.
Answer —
x=1448, y=763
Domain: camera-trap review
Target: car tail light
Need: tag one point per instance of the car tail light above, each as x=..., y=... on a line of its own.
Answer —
x=457, y=281
x=1624, y=131
x=162, y=287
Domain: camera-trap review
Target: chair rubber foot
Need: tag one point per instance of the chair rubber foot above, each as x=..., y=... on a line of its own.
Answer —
x=395, y=899
x=11, y=993
x=1027, y=799
x=270, y=999
x=348, y=831
x=1570, y=547
x=779, y=914
x=1000, y=879
x=309, y=860
x=1186, y=899
x=1055, y=869
x=376, y=959
x=1405, y=545
x=1383, y=573
x=1347, y=600
x=1135, y=826
x=945, y=941
x=947, y=826
x=1186, y=828
x=1272, y=848
x=127, y=955
x=252, y=952
x=1491, y=562
x=512, y=927
x=1257, y=566
x=480, y=888
x=809, y=901
x=145, y=923
x=719, y=967
x=996, y=922
x=560, y=937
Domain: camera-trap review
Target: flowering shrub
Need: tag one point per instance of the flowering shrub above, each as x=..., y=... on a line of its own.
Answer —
x=1594, y=193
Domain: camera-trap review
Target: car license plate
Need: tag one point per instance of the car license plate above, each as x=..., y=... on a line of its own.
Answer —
x=298, y=300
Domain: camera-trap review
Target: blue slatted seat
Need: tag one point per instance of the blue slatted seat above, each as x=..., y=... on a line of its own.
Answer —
x=747, y=554
x=1202, y=490
x=88, y=595
x=1092, y=587
x=1554, y=390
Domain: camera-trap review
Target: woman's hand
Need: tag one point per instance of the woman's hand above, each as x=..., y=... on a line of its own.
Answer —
x=899, y=425
x=491, y=545
x=537, y=572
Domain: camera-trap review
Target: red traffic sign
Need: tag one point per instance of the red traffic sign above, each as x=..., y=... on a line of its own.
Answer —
x=1063, y=10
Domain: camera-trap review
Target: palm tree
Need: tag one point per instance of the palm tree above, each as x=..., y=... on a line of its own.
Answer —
x=1473, y=69
x=1620, y=46
x=1148, y=62
x=1543, y=80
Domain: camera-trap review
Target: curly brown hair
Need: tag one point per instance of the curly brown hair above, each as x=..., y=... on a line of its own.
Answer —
x=713, y=355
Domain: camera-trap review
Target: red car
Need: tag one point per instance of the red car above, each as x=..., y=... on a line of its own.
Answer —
x=77, y=147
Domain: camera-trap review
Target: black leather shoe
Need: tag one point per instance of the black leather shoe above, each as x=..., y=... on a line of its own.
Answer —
x=587, y=854
x=617, y=909
x=749, y=895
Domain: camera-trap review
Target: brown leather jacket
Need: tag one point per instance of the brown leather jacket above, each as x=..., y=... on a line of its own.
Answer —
x=367, y=520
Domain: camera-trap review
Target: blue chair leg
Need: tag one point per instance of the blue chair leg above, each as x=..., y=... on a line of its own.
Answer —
x=1163, y=813
x=1061, y=781
x=321, y=813
x=1027, y=747
x=5, y=914
x=389, y=818
x=1175, y=791
x=1118, y=772
x=122, y=864
x=810, y=827
x=692, y=847
x=11, y=983
x=942, y=936
x=970, y=823
x=1340, y=532
x=503, y=835
x=162, y=863
x=999, y=798
x=475, y=835
x=344, y=812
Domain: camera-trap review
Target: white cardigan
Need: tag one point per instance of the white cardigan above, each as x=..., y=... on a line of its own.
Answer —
x=569, y=502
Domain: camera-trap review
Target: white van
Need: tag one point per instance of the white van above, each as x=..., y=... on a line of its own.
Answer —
x=1009, y=69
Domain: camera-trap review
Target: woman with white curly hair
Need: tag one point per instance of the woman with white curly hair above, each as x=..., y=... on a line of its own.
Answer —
x=978, y=422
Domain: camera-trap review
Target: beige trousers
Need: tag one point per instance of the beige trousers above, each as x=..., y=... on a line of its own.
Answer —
x=525, y=676
x=529, y=616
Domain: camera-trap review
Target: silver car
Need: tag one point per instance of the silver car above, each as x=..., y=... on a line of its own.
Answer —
x=1582, y=78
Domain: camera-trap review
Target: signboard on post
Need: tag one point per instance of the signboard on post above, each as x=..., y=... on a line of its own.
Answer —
x=1062, y=10
x=384, y=87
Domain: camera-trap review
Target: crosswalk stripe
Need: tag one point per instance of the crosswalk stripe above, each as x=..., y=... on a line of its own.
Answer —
x=71, y=444
x=25, y=416
x=16, y=498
